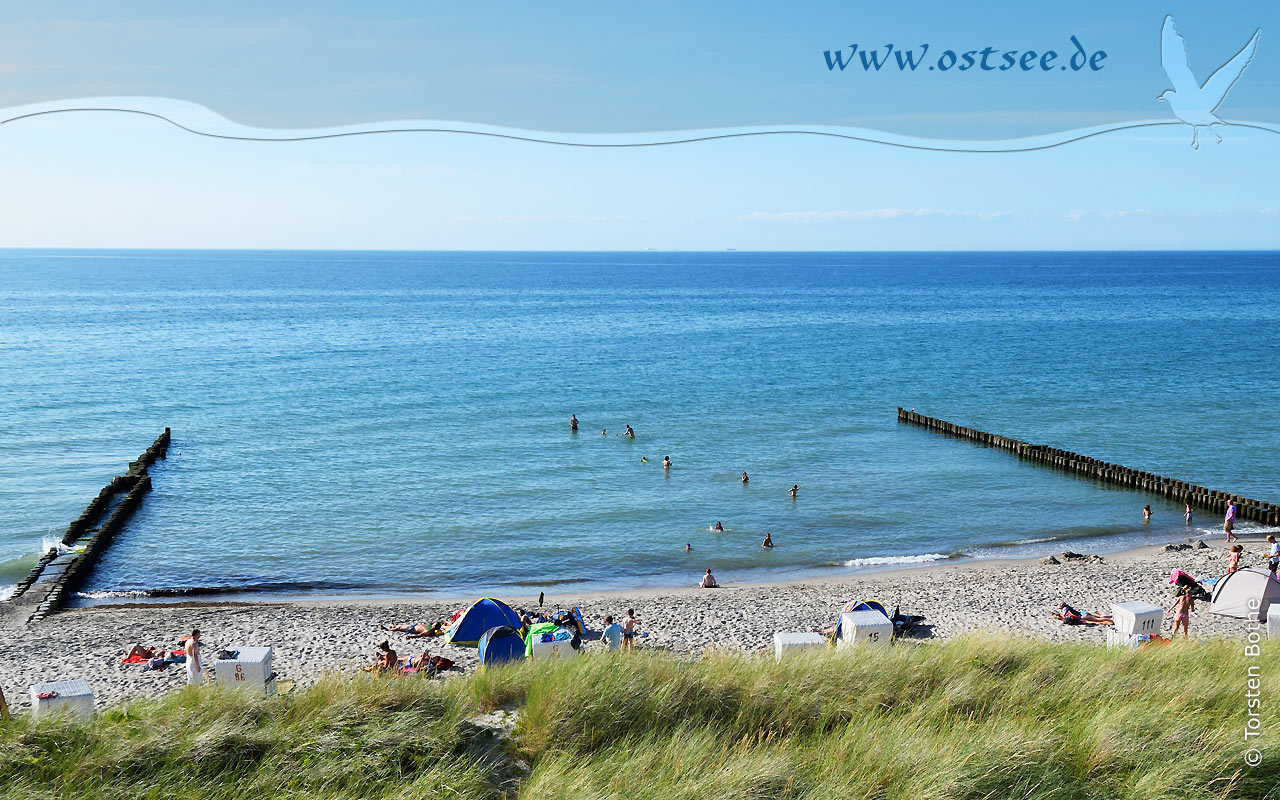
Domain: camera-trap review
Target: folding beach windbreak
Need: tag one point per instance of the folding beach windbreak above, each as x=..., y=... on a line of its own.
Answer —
x=1246, y=592
x=500, y=644
x=484, y=614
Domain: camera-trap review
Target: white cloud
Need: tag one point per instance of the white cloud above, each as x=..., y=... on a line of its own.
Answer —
x=867, y=214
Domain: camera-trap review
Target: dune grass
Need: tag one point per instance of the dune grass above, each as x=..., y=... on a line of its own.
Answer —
x=981, y=717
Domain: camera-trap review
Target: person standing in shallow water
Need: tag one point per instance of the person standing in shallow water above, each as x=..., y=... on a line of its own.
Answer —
x=1146, y=513
x=745, y=478
x=795, y=489
x=1187, y=513
x=573, y=422
x=630, y=434
x=768, y=542
x=666, y=462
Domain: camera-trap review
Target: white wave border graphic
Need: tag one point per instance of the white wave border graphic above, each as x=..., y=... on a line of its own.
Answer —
x=203, y=121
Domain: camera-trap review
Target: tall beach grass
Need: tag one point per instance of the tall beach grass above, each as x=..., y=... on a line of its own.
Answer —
x=979, y=717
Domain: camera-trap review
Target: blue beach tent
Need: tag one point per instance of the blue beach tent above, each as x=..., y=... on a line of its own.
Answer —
x=500, y=644
x=484, y=614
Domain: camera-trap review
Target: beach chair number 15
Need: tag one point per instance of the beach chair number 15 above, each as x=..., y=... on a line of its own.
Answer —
x=239, y=672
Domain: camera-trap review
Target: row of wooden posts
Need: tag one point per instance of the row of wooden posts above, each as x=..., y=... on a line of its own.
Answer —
x=1247, y=508
x=73, y=568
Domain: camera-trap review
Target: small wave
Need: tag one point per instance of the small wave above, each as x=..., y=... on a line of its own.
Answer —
x=7, y=591
x=871, y=561
x=195, y=591
x=549, y=581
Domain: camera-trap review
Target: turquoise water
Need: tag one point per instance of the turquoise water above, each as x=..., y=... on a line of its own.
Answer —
x=383, y=422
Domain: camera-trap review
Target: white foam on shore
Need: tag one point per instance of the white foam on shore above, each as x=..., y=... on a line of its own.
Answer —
x=880, y=560
x=107, y=595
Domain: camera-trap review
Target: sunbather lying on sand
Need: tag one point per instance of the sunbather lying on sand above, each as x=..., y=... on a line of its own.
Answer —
x=417, y=630
x=1072, y=617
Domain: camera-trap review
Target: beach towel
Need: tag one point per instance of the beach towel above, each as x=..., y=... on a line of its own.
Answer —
x=135, y=658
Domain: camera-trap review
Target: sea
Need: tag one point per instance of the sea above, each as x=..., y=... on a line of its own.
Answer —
x=385, y=423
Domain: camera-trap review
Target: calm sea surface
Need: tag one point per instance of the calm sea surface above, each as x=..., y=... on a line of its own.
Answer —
x=384, y=422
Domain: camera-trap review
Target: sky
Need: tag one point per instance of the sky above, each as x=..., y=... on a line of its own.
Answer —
x=103, y=180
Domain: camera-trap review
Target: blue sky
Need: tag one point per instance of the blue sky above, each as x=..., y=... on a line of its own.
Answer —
x=95, y=180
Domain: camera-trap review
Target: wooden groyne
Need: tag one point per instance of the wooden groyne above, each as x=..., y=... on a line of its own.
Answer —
x=47, y=586
x=1247, y=508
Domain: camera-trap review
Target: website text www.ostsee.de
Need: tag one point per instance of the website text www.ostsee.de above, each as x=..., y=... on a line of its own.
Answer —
x=855, y=58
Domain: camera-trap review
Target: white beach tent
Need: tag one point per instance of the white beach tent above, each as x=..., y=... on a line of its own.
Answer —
x=1246, y=592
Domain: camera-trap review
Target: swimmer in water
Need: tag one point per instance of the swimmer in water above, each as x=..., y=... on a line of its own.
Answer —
x=745, y=478
x=604, y=432
x=666, y=462
x=795, y=487
x=718, y=526
x=688, y=548
x=1146, y=513
x=768, y=542
x=630, y=434
x=573, y=422
x=644, y=460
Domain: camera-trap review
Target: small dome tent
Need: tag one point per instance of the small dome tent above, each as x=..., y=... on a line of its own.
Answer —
x=484, y=614
x=1246, y=592
x=500, y=644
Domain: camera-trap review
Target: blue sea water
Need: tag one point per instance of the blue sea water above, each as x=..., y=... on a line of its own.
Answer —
x=381, y=422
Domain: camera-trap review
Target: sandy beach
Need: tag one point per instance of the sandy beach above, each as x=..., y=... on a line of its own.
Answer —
x=1015, y=597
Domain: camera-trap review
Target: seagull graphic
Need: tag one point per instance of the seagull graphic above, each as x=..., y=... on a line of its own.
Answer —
x=1192, y=102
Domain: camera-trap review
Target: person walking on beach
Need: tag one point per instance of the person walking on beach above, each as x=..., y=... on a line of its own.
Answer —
x=612, y=634
x=630, y=623
x=768, y=542
x=708, y=581
x=1187, y=513
x=1273, y=555
x=1229, y=521
x=1182, y=607
x=1146, y=513
x=192, y=650
x=573, y=422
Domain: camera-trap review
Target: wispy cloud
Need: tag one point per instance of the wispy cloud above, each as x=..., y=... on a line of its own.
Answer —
x=868, y=214
x=506, y=219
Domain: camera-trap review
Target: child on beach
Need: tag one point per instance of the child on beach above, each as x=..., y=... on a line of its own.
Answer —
x=708, y=581
x=1229, y=522
x=1233, y=561
x=630, y=623
x=1183, y=605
